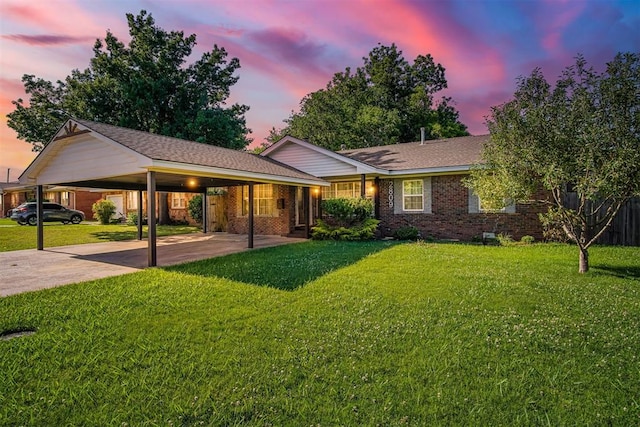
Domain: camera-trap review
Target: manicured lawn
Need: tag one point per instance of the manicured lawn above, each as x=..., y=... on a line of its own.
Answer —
x=14, y=237
x=322, y=333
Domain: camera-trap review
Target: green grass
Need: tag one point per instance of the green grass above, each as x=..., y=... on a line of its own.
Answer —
x=15, y=237
x=326, y=333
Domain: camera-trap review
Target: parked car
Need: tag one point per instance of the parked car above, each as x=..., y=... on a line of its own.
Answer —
x=26, y=214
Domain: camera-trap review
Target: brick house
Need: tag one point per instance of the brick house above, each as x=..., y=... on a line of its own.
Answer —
x=412, y=184
x=14, y=194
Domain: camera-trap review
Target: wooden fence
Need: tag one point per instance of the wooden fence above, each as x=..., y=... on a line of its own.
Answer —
x=625, y=228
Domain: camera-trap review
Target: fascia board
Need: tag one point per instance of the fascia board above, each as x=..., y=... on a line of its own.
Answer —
x=443, y=170
x=213, y=172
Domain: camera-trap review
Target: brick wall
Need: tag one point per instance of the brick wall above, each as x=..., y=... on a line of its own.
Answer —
x=450, y=217
x=85, y=201
x=281, y=222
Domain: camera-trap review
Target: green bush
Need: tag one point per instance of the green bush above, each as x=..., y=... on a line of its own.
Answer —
x=527, y=240
x=346, y=212
x=132, y=218
x=195, y=208
x=504, y=239
x=407, y=233
x=366, y=230
x=103, y=210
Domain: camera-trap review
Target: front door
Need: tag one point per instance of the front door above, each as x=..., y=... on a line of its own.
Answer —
x=300, y=219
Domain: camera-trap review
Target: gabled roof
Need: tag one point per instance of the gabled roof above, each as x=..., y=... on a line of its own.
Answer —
x=86, y=153
x=454, y=153
x=449, y=155
x=166, y=148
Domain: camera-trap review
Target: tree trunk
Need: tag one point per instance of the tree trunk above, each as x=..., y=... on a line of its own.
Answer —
x=584, y=260
x=163, y=208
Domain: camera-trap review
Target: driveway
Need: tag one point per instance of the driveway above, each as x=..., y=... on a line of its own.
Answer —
x=31, y=270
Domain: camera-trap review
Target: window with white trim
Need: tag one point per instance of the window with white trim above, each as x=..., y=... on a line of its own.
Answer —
x=178, y=200
x=482, y=208
x=413, y=195
x=262, y=200
x=347, y=190
x=65, y=199
x=132, y=200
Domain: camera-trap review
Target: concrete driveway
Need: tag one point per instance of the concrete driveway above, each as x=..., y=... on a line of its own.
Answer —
x=31, y=270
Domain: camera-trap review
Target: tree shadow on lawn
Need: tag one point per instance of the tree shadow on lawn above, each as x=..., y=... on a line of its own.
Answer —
x=285, y=267
x=116, y=236
x=623, y=272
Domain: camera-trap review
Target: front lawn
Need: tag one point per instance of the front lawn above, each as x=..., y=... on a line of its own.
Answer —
x=325, y=333
x=15, y=237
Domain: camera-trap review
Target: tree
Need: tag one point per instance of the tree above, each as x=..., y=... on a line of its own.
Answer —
x=583, y=137
x=385, y=101
x=144, y=85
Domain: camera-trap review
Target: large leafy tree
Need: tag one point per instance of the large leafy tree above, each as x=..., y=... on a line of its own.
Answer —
x=581, y=137
x=144, y=85
x=385, y=101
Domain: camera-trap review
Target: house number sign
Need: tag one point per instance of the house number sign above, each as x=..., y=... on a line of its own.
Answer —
x=390, y=194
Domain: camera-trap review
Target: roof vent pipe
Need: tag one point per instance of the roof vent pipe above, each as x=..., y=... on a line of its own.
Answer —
x=421, y=136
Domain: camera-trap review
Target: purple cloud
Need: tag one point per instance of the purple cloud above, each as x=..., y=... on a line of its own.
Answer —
x=45, y=39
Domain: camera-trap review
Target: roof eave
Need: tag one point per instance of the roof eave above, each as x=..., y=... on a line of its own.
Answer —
x=215, y=172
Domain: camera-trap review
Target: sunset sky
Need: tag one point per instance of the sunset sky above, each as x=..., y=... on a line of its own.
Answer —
x=288, y=48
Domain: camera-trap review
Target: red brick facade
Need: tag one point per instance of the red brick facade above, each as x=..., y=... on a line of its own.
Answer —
x=280, y=222
x=450, y=216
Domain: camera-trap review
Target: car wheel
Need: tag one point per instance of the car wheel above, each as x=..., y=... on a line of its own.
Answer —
x=32, y=220
x=76, y=219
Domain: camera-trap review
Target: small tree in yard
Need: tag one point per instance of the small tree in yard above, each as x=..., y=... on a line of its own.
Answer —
x=103, y=210
x=581, y=136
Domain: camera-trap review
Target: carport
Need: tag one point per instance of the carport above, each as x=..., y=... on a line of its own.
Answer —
x=96, y=155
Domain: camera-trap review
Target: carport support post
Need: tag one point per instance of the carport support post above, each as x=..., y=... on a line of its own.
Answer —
x=151, y=215
x=306, y=205
x=204, y=211
x=139, y=214
x=40, y=214
x=250, y=244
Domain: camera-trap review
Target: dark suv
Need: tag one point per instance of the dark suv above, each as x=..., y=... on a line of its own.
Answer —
x=52, y=212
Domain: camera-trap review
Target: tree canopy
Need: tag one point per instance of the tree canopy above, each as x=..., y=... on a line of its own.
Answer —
x=144, y=85
x=581, y=137
x=385, y=101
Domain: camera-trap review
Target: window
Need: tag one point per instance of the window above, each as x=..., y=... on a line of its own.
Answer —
x=262, y=200
x=413, y=195
x=348, y=190
x=482, y=208
x=178, y=200
x=49, y=196
x=65, y=199
x=132, y=200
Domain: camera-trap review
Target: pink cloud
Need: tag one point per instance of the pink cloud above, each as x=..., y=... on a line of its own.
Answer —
x=45, y=39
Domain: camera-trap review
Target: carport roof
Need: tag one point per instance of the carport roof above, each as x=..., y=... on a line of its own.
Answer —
x=131, y=153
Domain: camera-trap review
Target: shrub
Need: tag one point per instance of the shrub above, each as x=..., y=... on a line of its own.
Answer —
x=364, y=231
x=527, y=240
x=504, y=239
x=346, y=212
x=103, y=210
x=407, y=233
x=195, y=208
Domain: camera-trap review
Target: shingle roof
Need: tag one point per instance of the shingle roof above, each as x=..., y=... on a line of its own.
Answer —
x=461, y=151
x=160, y=147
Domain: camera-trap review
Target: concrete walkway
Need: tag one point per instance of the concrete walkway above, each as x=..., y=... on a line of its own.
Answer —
x=31, y=270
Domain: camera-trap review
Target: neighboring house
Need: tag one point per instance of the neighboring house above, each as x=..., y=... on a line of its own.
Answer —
x=14, y=194
x=412, y=184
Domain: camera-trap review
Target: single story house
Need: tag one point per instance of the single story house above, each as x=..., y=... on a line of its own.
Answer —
x=411, y=184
